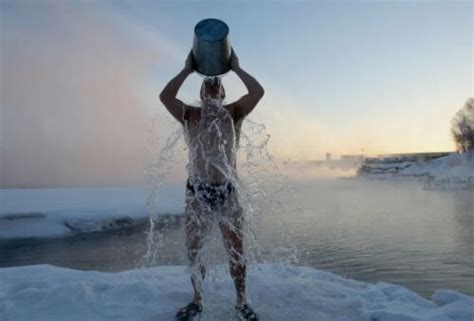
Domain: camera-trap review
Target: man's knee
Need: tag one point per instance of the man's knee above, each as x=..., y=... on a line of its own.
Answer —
x=192, y=256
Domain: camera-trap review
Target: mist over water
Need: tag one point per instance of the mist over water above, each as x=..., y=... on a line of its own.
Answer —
x=75, y=94
x=390, y=231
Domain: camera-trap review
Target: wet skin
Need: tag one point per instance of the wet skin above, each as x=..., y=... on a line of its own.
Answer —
x=212, y=133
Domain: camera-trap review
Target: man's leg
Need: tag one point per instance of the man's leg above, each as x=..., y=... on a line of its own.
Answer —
x=232, y=235
x=231, y=225
x=196, y=228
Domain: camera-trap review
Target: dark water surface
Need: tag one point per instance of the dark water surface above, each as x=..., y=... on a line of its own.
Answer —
x=372, y=231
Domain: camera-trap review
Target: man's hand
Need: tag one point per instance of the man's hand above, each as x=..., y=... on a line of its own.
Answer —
x=189, y=64
x=234, y=61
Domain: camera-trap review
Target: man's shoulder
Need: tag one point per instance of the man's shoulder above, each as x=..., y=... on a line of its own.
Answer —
x=234, y=111
x=192, y=113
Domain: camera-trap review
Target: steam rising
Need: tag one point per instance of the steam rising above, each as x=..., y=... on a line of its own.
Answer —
x=70, y=111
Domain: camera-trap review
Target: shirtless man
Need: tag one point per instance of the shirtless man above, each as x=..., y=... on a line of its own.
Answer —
x=212, y=134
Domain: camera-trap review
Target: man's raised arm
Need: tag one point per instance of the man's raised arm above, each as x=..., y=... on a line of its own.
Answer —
x=246, y=103
x=168, y=96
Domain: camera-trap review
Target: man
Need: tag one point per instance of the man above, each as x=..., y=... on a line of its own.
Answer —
x=212, y=134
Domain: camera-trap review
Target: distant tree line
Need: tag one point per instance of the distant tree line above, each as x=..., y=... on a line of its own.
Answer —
x=462, y=127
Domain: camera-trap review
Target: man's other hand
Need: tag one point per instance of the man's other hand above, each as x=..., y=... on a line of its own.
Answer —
x=234, y=61
x=189, y=64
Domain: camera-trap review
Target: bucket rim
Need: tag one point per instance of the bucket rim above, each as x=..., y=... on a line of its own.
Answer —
x=212, y=19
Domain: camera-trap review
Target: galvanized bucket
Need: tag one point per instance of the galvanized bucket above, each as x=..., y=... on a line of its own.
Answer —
x=211, y=47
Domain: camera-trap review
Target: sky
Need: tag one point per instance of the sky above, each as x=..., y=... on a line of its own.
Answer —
x=80, y=80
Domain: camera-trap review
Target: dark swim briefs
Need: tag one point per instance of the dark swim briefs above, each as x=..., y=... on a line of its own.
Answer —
x=213, y=194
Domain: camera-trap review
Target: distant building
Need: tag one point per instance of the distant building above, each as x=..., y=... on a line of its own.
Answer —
x=413, y=157
x=328, y=156
x=404, y=157
x=353, y=158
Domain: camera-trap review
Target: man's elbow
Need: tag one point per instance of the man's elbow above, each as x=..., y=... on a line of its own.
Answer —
x=166, y=99
x=163, y=98
x=260, y=92
x=257, y=91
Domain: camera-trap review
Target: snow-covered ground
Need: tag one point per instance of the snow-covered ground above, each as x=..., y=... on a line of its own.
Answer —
x=65, y=211
x=454, y=169
x=278, y=293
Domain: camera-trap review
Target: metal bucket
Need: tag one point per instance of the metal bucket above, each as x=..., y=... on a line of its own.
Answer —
x=211, y=47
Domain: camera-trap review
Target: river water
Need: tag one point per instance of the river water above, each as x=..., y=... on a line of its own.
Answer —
x=390, y=231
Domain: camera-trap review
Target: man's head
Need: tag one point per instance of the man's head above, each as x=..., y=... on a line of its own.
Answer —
x=212, y=89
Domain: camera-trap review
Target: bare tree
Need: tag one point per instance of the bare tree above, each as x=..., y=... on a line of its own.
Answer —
x=462, y=127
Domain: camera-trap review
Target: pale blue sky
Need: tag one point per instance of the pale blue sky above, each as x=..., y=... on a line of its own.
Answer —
x=348, y=64
x=80, y=80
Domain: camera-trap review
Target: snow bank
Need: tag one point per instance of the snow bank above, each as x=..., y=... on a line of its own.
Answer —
x=64, y=211
x=278, y=293
x=454, y=170
x=453, y=165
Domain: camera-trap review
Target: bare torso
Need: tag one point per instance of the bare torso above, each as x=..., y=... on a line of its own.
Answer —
x=212, y=135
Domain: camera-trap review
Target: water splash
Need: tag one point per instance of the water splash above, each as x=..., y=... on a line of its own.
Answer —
x=258, y=189
x=159, y=174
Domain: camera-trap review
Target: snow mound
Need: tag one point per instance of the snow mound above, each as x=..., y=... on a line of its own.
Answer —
x=453, y=165
x=448, y=172
x=278, y=293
